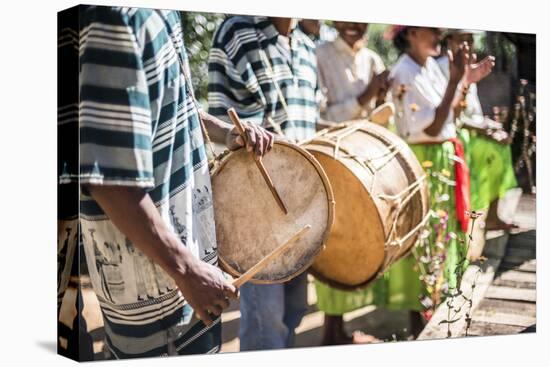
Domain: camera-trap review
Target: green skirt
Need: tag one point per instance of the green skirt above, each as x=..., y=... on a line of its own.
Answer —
x=400, y=287
x=442, y=199
x=491, y=169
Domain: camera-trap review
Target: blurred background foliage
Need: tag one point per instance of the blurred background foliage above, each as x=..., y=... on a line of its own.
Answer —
x=198, y=31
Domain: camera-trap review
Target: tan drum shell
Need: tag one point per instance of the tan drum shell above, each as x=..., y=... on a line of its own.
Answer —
x=356, y=252
x=250, y=224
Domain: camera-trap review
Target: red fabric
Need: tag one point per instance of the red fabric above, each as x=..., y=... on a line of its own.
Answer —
x=462, y=188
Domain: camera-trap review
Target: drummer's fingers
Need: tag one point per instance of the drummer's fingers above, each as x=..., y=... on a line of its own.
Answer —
x=223, y=302
x=202, y=314
x=259, y=146
x=230, y=291
x=239, y=140
x=251, y=141
x=215, y=310
x=266, y=136
x=270, y=140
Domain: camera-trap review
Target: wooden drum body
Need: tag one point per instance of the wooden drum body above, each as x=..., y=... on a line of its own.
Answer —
x=250, y=224
x=381, y=198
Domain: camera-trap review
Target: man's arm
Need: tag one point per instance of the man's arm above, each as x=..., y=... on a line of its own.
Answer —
x=133, y=212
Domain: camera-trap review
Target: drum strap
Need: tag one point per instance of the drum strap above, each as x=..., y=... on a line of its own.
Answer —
x=191, y=94
x=280, y=95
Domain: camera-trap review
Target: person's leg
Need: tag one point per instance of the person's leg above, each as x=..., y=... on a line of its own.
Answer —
x=333, y=331
x=493, y=220
x=416, y=323
x=262, y=313
x=295, y=303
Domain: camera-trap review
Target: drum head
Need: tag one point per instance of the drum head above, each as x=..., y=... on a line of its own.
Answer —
x=355, y=249
x=250, y=224
x=371, y=174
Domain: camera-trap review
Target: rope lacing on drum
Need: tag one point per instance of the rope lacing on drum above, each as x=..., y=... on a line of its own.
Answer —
x=401, y=201
x=400, y=241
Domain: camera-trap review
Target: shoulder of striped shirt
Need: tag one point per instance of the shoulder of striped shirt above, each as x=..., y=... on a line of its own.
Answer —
x=130, y=16
x=233, y=27
x=302, y=37
x=241, y=27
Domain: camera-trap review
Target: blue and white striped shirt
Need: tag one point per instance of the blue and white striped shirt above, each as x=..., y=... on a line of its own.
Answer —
x=247, y=64
x=139, y=128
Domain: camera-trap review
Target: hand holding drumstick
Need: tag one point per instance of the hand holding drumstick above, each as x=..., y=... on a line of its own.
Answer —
x=255, y=139
x=241, y=129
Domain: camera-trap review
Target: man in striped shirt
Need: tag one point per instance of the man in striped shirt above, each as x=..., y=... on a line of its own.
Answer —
x=266, y=69
x=146, y=204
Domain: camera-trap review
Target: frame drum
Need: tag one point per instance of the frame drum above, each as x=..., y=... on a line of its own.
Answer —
x=250, y=224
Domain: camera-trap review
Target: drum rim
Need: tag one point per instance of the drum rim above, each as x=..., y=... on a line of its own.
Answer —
x=346, y=287
x=330, y=218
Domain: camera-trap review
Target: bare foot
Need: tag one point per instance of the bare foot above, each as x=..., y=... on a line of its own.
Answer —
x=360, y=337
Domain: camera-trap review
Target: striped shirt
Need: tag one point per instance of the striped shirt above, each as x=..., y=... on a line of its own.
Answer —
x=248, y=70
x=326, y=34
x=139, y=128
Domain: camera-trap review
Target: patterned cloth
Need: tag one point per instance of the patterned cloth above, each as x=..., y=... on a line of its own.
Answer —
x=247, y=68
x=67, y=134
x=139, y=128
x=344, y=74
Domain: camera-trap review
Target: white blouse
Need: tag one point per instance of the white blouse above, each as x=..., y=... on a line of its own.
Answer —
x=415, y=107
x=344, y=74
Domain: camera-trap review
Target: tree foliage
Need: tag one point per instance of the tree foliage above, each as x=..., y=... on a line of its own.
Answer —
x=198, y=31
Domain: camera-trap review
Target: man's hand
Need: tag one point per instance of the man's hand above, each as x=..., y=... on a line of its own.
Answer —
x=458, y=62
x=381, y=82
x=206, y=290
x=257, y=139
x=476, y=71
x=133, y=212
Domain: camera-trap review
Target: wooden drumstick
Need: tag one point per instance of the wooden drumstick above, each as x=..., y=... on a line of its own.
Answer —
x=266, y=260
x=237, y=122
